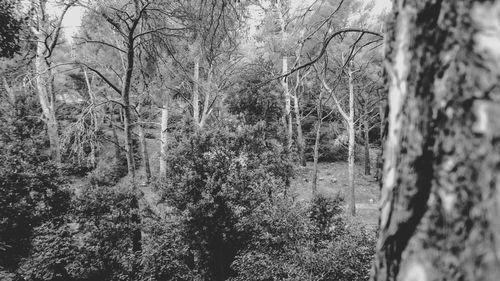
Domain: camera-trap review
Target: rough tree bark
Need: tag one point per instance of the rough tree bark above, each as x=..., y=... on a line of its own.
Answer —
x=441, y=186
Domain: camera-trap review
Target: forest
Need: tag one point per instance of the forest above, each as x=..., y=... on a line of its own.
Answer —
x=155, y=140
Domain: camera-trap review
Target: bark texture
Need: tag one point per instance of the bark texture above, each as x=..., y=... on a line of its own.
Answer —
x=441, y=186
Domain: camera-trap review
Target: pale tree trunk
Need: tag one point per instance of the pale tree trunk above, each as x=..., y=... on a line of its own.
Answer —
x=144, y=149
x=196, y=92
x=298, y=119
x=319, y=111
x=288, y=112
x=206, y=101
x=46, y=96
x=47, y=36
x=315, y=158
x=93, y=145
x=440, y=198
x=164, y=137
x=366, y=137
x=284, y=82
x=351, y=149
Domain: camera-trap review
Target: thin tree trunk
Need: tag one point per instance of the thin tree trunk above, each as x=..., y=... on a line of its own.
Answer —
x=93, y=145
x=366, y=140
x=206, y=101
x=196, y=92
x=284, y=70
x=288, y=111
x=316, y=156
x=381, y=112
x=116, y=140
x=440, y=198
x=351, y=132
x=319, y=111
x=125, y=92
x=144, y=150
x=47, y=99
x=300, y=138
x=164, y=137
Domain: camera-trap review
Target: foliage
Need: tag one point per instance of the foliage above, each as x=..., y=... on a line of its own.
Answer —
x=337, y=251
x=9, y=29
x=31, y=187
x=217, y=179
x=90, y=242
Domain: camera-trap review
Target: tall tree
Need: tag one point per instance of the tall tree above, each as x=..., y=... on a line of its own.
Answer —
x=440, y=190
x=47, y=31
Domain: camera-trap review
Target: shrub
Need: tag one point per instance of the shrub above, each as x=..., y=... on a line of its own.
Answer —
x=217, y=180
x=313, y=243
x=93, y=241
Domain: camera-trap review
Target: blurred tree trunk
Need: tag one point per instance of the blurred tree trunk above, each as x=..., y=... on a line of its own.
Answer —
x=381, y=112
x=366, y=131
x=440, y=198
x=352, y=139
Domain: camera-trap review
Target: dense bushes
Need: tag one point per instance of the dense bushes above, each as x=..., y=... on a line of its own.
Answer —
x=306, y=243
x=92, y=241
x=228, y=217
x=217, y=180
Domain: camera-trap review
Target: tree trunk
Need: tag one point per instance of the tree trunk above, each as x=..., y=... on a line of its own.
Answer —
x=319, y=111
x=196, y=92
x=381, y=111
x=44, y=85
x=116, y=140
x=366, y=131
x=125, y=92
x=284, y=70
x=164, y=138
x=144, y=152
x=300, y=138
x=352, y=140
x=316, y=156
x=440, y=198
x=288, y=111
x=206, y=99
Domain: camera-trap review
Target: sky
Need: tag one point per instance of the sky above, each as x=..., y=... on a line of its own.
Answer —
x=72, y=20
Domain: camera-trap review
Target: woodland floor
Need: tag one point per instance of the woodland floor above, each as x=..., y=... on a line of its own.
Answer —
x=332, y=180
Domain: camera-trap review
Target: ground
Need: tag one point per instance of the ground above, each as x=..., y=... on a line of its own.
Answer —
x=332, y=180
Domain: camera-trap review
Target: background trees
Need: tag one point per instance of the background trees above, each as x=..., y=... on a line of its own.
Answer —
x=178, y=138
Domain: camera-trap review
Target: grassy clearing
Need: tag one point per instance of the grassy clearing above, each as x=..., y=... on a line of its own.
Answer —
x=332, y=180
